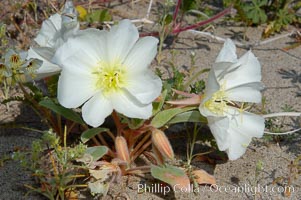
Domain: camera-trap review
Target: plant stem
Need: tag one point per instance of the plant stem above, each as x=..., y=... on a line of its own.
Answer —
x=111, y=135
x=36, y=107
x=110, y=152
x=102, y=139
x=59, y=125
x=175, y=14
x=190, y=27
x=143, y=169
x=202, y=23
x=117, y=122
x=195, y=76
x=140, y=143
x=146, y=145
x=71, y=127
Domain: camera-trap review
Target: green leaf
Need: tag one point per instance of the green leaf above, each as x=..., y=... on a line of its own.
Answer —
x=172, y=175
x=105, y=16
x=190, y=116
x=188, y=5
x=254, y=12
x=135, y=123
x=88, y=134
x=157, y=106
x=99, y=16
x=65, y=112
x=164, y=116
x=97, y=152
x=94, y=16
x=166, y=19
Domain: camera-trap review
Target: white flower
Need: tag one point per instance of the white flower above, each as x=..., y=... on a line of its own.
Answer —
x=233, y=80
x=16, y=68
x=108, y=70
x=54, y=33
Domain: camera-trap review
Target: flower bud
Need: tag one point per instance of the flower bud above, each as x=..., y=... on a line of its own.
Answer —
x=162, y=143
x=158, y=155
x=122, y=149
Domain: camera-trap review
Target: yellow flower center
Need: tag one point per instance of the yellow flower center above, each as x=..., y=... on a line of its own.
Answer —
x=110, y=77
x=219, y=101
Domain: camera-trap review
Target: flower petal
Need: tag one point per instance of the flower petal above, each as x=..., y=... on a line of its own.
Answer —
x=121, y=39
x=221, y=68
x=47, y=34
x=83, y=51
x=74, y=88
x=212, y=86
x=69, y=15
x=238, y=145
x=243, y=126
x=96, y=109
x=246, y=123
x=145, y=87
x=246, y=93
x=228, y=52
x=47, y=68
x=218, y=127
x=248, y=71
x=142, y=54
x=124, y=103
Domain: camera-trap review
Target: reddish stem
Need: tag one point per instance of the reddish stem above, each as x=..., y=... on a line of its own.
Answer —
x=155, y=34
x=202, y=23
x=117, y=122
x=175, y=14
x=137, y=153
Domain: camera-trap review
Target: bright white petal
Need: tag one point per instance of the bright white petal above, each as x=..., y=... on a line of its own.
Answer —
x=207, y=113
x=96, y=109
x=243, y=126
x=218, y=127
x=145, y=87
x=49, y=31
x=121, y=39
x=124, y=103
x=221, y=68
x=142, y=54
x=74, y=88
x=212, y=86
x=249, y=71
x=246, y=93
x=45, y=53
x=228, y=52
x=47, y=68
x=238, y=145
x=246, y=123
x=84, y=51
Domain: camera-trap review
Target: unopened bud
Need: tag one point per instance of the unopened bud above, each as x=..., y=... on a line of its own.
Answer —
x=162, y=143
x=158, y=155
x=122, y=149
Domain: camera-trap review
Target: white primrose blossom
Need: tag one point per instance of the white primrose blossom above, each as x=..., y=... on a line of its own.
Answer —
x=106, y=70
x=54, y=33
x=233, y=80
x=15, y=66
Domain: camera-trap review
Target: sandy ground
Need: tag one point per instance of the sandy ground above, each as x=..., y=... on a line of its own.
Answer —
x=235, y=179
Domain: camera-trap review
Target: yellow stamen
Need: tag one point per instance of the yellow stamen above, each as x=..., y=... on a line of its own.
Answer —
x=15, y=59
x=219, y=101
x=110, y=77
